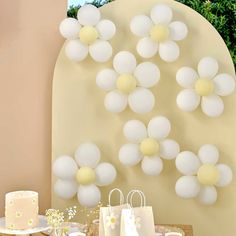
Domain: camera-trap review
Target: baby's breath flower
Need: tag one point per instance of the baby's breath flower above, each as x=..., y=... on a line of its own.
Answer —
x=54, y=218
x=71, y=212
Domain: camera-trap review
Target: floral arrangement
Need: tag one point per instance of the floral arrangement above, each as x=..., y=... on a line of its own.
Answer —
x=59, y=221
x=56, y=219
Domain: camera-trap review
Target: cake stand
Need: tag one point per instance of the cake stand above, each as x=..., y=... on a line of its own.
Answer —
x=42, y=226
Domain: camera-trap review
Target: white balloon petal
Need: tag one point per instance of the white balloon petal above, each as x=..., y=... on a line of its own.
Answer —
x=89, y=196
x=187, y=187
x=65, y=189
x=159, y=127
x=186, y=77
x=88, y=15
x=161, y=14
x=169, y=149
x=212, y=105
x=106, y=29
x=124, y=62
x=135, y=131
x=226, y=175
x=129, y=154
x=224, y=84
x=208, y=67
x=75, y=50
x=208, y=154
x=105, y=174
x=106, y=79
x=147, y=74
x=152, y=165
x=87, y=154
x=141, y=101
x=146, y=48
x=141, y=25
x=178, y=30
x=169, y=51
x=207, y=195
x=115, y=101
x=65, y=167
x=188, y=100
x=69, y=28
x=100, y=51
x=187, y=163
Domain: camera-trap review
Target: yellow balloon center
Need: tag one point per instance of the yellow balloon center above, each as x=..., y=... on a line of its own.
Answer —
x=149, y=147
x=85, y=176
x=126, y=83
x=204, y=87
x=208, y=174
x=159, y=33
x=88, y=34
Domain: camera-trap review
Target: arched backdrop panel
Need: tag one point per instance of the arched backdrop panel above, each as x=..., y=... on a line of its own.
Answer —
x=79, y=116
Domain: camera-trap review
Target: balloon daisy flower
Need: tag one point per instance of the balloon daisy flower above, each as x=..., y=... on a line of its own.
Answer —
x=88, y=35
x=204, y=87
x=202, y=174
x=128, y=84
x=82, y=175
x=158, y=33
x=148, y=145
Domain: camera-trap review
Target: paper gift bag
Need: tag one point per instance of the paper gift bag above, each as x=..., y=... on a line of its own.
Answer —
x=137, y=221
x=110, y=216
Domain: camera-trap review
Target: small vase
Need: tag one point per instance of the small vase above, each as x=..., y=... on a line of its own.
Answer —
x=69, y=228
x=57, y=232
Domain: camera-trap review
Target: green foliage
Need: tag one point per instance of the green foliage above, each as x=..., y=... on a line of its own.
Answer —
x=222, y=15
x=72, y=12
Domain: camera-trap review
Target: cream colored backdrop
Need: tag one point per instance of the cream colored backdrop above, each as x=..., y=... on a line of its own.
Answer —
x=79, y=116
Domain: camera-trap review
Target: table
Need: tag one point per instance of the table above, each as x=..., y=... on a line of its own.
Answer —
x=188, y=229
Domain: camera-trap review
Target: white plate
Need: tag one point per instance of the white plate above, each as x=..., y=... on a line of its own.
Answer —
x=42, y=226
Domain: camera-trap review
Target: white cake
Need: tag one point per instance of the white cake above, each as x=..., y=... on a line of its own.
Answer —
x=21, y=210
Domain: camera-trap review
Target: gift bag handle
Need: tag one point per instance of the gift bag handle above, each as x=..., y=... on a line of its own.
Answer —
x=142, y=197
x=129, y=198
x=122, y=198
